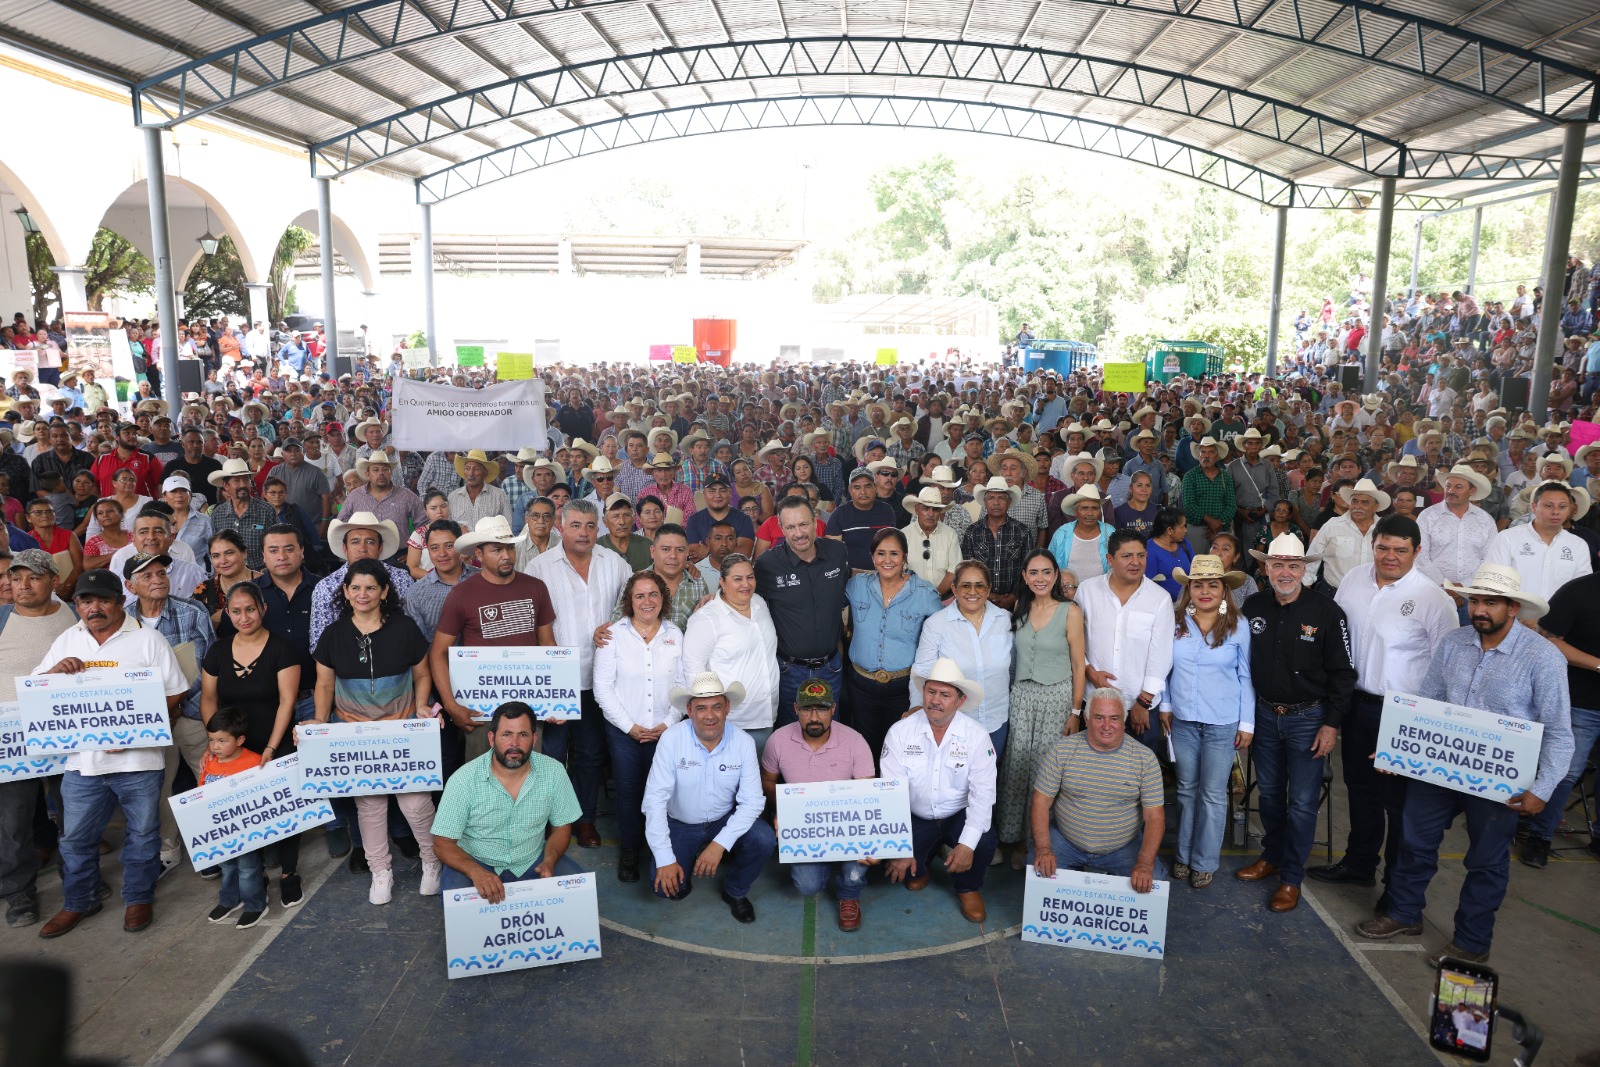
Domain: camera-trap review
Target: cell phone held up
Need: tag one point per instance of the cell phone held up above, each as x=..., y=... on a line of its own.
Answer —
x=1464, y=1002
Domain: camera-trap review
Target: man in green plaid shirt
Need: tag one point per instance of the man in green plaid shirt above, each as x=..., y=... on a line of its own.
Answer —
x=491, y=821
x=1208, y=500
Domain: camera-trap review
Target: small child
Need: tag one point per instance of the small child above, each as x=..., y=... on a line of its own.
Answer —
x=53, y=489
x=243, y=884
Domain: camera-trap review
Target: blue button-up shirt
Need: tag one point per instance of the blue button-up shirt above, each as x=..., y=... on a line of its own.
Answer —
x=984, y=655
x=1212, y=685
x=693, y=785
x=185, y=620
x=1523, y=677
x=885, y=638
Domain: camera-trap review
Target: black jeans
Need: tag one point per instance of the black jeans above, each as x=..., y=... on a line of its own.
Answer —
x=875, y=706
x=1376, y=799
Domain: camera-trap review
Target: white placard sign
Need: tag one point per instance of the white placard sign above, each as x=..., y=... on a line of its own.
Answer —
x=544, y=677
x=1465, y=749
x=246, y=811
x=503, y=417
x=540, y=922
x=1095, y=912
x=363, y=759
x=15, y=763
x=105, y=708
x=826, y=822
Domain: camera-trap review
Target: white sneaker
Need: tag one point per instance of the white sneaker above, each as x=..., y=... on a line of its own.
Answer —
x=382, y=887
x=430, y=878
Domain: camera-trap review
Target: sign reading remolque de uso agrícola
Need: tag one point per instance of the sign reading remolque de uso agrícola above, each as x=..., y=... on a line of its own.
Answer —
x=1096, y=913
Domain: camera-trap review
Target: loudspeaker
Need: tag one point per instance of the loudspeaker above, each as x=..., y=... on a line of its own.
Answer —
x=1350, y=379
x=191, y=376
x=1514, y=394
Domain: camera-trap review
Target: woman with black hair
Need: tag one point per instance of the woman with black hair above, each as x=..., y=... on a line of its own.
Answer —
x=1168, y=550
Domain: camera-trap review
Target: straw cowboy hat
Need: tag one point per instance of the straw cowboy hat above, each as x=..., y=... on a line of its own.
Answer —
x=651, y=434
x=1497, y=579
x=601, y=465
x=771, y=446
x=943, y=477
x=705, y=684
x=1580, y=497
x=1252, y=434
x=1069, y=504
x=152, y=405
x=491, y=529
x=1284, y=546
x=1196, y=446
x=1406, y=463
x=1561, y=458
x=477, y=455
x=364, y=520
x=581, y=445
x=946, y=672
x=878, y=466
x=929, y=497
x=1030, y=466
x=903, y=420
x=661, y=461
x=1190, y=420
x=687, y=441
x=543, y=464
x=1366, y=488
x=998, y=484
x=231, y=468
x=1208, y=566
x=1084, y=457
x=1481, y=486
x=1072, y=428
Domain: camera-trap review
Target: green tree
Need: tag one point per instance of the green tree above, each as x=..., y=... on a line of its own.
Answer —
x=1203, y=265
x=280, y=278
x=216, y=285
x=115, y=266
x=45, y=283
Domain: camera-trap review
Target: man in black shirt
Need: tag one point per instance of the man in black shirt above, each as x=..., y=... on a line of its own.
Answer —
x=196, y=464
x=802, y=579
x=62, y=458
x=856, y=521
x=1304, y=677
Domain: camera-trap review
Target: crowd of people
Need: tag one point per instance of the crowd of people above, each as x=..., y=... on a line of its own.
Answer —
x=1037, y=602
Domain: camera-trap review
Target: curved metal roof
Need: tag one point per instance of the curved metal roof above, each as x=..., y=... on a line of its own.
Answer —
x=1293, y=102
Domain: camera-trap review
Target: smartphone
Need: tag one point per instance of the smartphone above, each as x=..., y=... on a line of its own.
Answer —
x=1462, y=1021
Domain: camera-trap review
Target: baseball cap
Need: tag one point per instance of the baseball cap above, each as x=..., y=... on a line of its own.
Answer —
x=814, y=693
x=176, y=481
x=860, y=472
x=716, y=479
x=139, y=562
x=36, y=560
x=98, y=583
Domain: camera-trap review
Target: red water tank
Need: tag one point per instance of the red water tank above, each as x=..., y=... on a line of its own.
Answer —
x=716, y=339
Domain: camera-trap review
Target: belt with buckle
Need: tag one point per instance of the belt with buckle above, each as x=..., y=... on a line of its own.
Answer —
x=881, y=676
x=814, y=664
x=1289, y=709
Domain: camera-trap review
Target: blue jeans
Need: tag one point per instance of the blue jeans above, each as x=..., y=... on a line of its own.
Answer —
x=1429, y=811
x=630, y=766
x=87, y=802
x=1585, y=731
x=585, y=741
x=791, y=676
x=812, y=878
x=242, y=881
x=450, y=878
x=928, y=834
x=744, y=860
x=1119, y=863
x=1205, y=758
x=1289, y=781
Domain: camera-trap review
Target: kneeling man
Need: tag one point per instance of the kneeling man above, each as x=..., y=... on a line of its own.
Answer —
x=491, y=823
x=949, y=762
x=1097, y=800
x=703, y=799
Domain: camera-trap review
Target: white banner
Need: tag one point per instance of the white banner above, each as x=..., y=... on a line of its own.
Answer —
x=540, y=922
x=15, y=763
x=246, y=811
x=1465, y=749
x=544, y=677
x=497, y=418
x=1095, y=912
x=100, y=709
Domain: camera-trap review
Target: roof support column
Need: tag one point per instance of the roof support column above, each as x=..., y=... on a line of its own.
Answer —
x=692, y=259
x=1556, y=238
x=1380, y=287
x=325, y=238
x=427, y=285
x=1281, y=235
x=70, y=282
x=1472, y=257
x=257, y=292
x=155, y=179
x=1416, y=258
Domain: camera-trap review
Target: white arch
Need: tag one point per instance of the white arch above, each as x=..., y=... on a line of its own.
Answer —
x=345, y=243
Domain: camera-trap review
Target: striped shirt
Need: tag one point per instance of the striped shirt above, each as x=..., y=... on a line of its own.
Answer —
x=502, y=833
x=1099, y=797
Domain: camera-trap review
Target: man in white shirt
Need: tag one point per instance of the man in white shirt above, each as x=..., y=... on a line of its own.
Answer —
x=1543, y=551
x=935, y=549
x=1456, y=533
x=949, y=763
x=152, y=536
x=703, y=799
x=584, y=585
x=1397, y=616
x=258, y=345
x=129, y=778
x=1345, y=541
x=1128, y=622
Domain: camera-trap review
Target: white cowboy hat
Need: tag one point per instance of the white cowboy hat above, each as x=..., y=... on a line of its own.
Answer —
x=650, y=436
x=929, y=497
x=1143, y=435
x=1284, y=546
x=885, y=464
x=491, y=529
x=1583, y=454
x=1252, y=434
x=705, y=684
x=1372, y=401
x=1406, y=463
x=1205, y=425
x=771, y=446
x=526, y=455
x=1561, y=458
x=1072, y=428
x=1365, y=486
x=231, y=468
x=1207, y=566
x=601, y=465
x=1196, y=446
x=998, y=484
x=1496, y=579
x=946, y=672
x=1481, y=486
x=1084, y=457
x=862, y=443
x=1272, y=452
x=477, y=455
x=364, y=520
x=358, y=429
x=1030, y=466
x=943, y=477
x=380, y=457
x=1070, y=503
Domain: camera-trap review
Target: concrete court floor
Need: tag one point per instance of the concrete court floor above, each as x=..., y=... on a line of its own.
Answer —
x=1257, y=988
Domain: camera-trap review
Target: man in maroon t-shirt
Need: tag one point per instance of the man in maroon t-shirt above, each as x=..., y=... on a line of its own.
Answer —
x=497, y=606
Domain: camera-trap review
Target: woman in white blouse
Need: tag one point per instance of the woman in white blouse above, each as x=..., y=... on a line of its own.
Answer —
x=733, y=636
x=638, y=710
x=977, y=635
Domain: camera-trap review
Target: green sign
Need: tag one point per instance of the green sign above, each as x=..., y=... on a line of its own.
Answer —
x=469, y=355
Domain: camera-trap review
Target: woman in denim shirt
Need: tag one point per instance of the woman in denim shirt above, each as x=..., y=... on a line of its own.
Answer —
x=887, y=609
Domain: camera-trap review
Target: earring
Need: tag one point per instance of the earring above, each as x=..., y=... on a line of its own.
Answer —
x=1222, y=609
x=1189, y=610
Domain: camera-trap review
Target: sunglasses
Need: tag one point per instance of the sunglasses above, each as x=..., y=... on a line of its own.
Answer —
x=927, y=549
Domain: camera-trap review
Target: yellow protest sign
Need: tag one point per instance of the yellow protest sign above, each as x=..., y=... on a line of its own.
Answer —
x=888, y=357
x=1124, y=378
x=514, y=366
x=685, y=354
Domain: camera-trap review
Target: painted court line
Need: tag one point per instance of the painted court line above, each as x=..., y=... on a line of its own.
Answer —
x=245, y=962
x=770, y=957
x=1386, y=946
